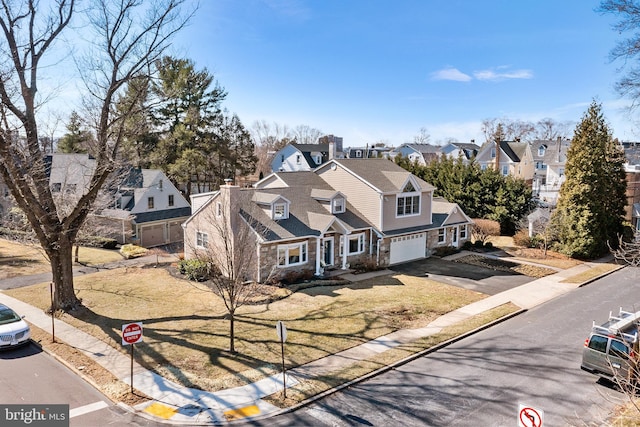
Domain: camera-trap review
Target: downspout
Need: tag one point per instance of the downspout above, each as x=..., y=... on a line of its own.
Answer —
x=377, y=245
x=318, y=246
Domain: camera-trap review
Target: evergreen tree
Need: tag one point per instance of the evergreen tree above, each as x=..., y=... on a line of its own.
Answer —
x=591, y=203
x=77, y=138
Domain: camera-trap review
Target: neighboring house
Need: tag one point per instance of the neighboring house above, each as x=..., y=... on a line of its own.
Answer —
x=303, y=157
x=549, y=159
x=422, y=154
x=632, y=169
x=509, y=158
x=142, y=206
x=466, y=151
x=345, y=212
x=367, y=152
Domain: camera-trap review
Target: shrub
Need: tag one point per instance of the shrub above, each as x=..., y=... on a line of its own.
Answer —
x=364, y=265
x=132, y=251
x=521, y=238
x=98, y=242
x=467, y=245
x=484, y=228
x=194, y=269
x=445, y=251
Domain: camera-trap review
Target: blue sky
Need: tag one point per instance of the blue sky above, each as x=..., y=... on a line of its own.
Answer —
x=381, y=70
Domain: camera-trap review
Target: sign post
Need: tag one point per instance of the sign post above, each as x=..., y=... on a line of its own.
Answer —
x=131, y=334
x=52, y=290
x=282, y=336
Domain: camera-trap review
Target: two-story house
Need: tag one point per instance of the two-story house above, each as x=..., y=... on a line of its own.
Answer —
x=549, y=157
x=304, y=157
x=139, y=206
x=421, y=154
x=344, y=212
x=465, y=151
x=509, y=158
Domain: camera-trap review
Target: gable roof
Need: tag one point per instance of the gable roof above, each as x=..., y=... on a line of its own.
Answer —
x=307, y=216
x=381, y=174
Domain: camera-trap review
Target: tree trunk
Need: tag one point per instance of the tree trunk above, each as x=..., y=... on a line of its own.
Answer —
x=232, y=347
x=76, y=257
x=61, y=258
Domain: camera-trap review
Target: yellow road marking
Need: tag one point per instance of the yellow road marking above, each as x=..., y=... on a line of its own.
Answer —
x=160, y=410
x=247, y=411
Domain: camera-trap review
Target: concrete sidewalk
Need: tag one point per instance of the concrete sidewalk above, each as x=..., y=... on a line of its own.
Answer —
x=181, y=405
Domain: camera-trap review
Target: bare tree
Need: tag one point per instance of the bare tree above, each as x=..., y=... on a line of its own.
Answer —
x=505, y=129
x=268, y=138
x=548, y=129
x=423, y=136
x=627, y=252
x=127, y=36
x=228, y=247
x=628, y=49
x=304, y=134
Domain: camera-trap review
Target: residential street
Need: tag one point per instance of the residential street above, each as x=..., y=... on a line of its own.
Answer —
x=532, y=359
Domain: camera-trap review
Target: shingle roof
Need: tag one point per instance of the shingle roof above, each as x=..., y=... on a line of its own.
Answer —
x=162, y=215
x=383, y=174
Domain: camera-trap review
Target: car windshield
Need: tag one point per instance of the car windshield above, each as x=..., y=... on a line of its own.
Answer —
x=8, y=316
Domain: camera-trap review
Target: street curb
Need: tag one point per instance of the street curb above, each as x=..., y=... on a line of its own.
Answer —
x=593, y=279
x=75, y=370
x=383, y=369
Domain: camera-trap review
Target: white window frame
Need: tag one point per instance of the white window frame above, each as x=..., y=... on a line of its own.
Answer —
x=336, y=207
x=463, y=231
x=202, y=239
x=285, y=211
x=505, y=170
x=284, y=254
x=359, y=237
x=442, y=236
x=151, y=202
x=218, y=209
x=541, y=150
x=404, y=197
x=298, y=159
x=171, y=199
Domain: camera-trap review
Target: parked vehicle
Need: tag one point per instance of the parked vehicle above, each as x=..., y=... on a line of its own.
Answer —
x=14, y=331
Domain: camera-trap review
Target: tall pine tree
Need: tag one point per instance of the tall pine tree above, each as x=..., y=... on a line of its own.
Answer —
x=590, y=210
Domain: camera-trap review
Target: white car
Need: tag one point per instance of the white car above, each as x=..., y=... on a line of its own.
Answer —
x=14, y=331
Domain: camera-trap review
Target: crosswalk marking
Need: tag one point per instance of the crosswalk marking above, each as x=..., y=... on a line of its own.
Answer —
x=76, y=412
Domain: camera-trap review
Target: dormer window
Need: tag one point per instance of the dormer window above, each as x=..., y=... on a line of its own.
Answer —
x=359, y=154
x=541, y=150
x=280, y=211
x=408, y=202
x=338, y=205
x=493, y=152
x=318, y=159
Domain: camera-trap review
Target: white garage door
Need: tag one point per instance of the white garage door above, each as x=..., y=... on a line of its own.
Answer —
x=406, y=248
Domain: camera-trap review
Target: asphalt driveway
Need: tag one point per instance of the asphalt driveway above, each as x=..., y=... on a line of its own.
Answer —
x=484, y=280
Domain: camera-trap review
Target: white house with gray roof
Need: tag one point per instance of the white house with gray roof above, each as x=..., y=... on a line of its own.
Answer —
x=345, y=212
x=139, y=206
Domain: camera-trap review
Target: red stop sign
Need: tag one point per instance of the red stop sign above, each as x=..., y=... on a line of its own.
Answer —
x=132, y=333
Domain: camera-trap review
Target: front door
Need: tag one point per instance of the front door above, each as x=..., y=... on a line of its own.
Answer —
x=327, y=257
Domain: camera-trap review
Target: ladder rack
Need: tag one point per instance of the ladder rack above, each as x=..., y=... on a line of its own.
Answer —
x=620, y=325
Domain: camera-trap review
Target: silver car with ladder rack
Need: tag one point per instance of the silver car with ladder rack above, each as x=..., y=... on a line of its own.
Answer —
x=611, y=350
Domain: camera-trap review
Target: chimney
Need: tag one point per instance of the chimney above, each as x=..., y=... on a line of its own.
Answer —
x=332, y=150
